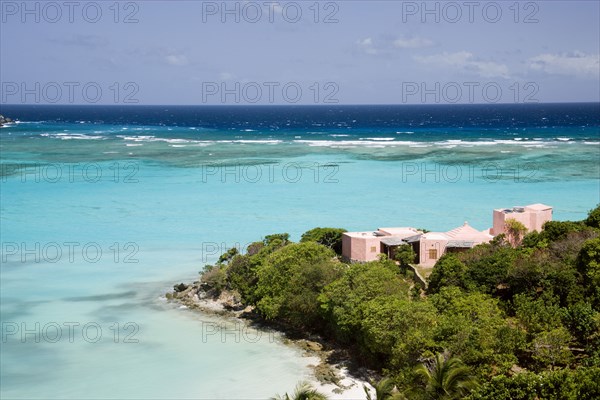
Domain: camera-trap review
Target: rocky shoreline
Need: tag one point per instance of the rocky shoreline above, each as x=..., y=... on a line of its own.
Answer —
x=333, y=369
x=5, y=120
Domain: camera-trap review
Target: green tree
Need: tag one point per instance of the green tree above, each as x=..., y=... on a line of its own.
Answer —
x=472, y=326
x=588, y=264
x=534, y=240
x=242, y=276
x=398, y=331
x=343, y=301
x=446, y=378
x=593, y=219
x=564, y=384
x=487, y=266
x=549, y=270
x=537, y=315
x=227, y=256
x=254, y=248
x=551, y=348
x=405, y=255
x=330, y=237
x=582, y=321
x=290, y=281
x=284, y=238
x=448, y=271
x=523, y=386
x=555, y=230
x=303, y=391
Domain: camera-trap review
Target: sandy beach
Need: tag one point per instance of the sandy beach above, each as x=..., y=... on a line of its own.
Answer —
x=345, y=387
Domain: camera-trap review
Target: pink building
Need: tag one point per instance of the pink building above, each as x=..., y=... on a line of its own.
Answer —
x=430, y=246
x=532, y=216
x=366, y=246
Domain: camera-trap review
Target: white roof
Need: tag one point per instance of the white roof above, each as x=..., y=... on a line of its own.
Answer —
x=538, y=207
x=531, y=207
x=404, y=231
x=364, y=234
x=435, y=236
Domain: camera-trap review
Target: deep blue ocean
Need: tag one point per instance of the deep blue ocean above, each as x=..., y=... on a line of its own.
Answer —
x=104, y=208
x=426, y=122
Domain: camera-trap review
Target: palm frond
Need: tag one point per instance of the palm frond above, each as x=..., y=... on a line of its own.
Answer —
x=303, y=391
x=445, y=377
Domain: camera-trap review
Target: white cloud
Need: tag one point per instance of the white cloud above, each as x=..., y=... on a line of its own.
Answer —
x=387, y=46
x=176, y=59
x=577, y=63
x=367, y=46
x=412, y=43
x=465, y=61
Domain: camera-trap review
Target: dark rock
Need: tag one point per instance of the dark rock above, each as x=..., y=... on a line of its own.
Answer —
x=231, y=300
x=314, y=346
x=5, y=120
x=310, y=346
x=180, y=287
x=326, y=374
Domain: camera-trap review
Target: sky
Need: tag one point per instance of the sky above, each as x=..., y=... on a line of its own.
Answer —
x=299, y=52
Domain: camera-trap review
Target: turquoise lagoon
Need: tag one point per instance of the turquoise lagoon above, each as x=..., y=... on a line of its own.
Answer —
x=171, y=198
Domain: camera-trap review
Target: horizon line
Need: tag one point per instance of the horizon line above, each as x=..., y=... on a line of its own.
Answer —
x=299, y=105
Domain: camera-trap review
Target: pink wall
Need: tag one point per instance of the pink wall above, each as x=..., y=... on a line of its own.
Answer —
x=540, y=218
x=359, y=248
x=429, y=244
x=532, y=219
x=346, y=247
x=500, y=220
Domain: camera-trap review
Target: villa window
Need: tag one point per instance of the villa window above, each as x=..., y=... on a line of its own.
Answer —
x=433, y=254
x=373, y=249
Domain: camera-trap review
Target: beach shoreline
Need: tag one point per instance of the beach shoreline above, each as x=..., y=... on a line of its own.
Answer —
x=331, y=366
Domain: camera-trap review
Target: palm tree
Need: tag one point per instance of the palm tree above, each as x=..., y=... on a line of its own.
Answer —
x=515, y=231
x=303, y=391
x=384, y=390
x=446, y=378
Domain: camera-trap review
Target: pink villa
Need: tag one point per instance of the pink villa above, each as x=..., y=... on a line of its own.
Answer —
x=430, y=246
x=366, y=246
x=532, y=216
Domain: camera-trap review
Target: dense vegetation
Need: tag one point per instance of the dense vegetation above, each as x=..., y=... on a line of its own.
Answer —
x=520, y=315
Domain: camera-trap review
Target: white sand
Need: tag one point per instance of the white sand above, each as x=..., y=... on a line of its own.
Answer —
x=353, y=387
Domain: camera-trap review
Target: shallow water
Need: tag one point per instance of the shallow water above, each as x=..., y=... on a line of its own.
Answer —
x=100, y=219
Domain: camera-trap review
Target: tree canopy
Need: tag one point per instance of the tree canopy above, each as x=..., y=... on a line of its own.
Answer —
x=520, y=315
